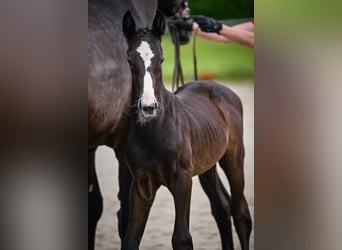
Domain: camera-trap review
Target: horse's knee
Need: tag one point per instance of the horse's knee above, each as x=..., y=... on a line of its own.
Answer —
x=247, y=221
x=145, y=188
x=221, y=210
x=240, y=209
x=182, y=241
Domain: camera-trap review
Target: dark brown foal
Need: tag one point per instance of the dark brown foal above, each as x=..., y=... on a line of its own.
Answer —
x=174, y=137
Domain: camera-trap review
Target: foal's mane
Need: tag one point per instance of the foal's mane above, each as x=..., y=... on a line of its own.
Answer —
x=142, y=33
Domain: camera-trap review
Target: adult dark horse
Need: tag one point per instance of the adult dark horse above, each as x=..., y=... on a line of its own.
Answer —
x=109, y=91
x=174, y=137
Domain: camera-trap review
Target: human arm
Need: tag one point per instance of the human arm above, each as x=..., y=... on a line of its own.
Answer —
x=239, y=36
x=209, y=36
x=213, y=30
x=216, y=31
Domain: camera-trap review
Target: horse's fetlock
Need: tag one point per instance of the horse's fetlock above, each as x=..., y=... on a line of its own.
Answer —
x=130, y=245
x=182, y=242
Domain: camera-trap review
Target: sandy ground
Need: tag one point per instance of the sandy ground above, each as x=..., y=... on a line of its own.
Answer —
x=159, y=227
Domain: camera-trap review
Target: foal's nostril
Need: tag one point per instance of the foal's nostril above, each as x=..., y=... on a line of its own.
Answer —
x=149, y=108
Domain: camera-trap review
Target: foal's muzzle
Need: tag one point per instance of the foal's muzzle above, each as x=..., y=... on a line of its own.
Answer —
x=149, y=110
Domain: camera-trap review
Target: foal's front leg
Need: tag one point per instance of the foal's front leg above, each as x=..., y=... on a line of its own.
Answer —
x=142, y=195
x=181, y=191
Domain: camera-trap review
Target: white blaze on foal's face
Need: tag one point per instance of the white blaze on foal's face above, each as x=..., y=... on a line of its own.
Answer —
x=146, y=54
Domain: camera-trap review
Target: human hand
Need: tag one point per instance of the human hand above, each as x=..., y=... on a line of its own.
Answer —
x=208, y=24
x=180, y=23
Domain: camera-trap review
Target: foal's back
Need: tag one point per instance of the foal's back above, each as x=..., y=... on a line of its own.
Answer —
x=216, y=92
x=213, y=113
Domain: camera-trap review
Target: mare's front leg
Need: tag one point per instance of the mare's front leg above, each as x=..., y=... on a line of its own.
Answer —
x=181, y=191
x=125, y=181
x=142, y=195
x=95, y=203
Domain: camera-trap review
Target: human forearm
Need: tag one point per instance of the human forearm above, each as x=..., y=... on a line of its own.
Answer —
x=213, y=30
x=242, y=37
x=237, y=34
x=209, y=36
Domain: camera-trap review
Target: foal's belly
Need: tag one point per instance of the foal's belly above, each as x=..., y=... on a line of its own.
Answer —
x=207, y=158
x=209, y=141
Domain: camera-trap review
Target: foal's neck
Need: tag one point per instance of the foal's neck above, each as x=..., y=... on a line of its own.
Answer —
x=166, y=99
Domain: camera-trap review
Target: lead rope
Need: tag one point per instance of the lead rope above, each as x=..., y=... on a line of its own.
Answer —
x=177, y=70
x=194, y=55
x=175, y=36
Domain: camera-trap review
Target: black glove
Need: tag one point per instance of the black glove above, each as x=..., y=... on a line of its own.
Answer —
x=208, y=24
x=180, y=23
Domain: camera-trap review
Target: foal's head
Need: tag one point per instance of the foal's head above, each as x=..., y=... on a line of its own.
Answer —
x=145, y=57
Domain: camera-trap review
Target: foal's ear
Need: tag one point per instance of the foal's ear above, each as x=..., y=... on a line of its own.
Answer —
x=158, y=26
x=128, y=25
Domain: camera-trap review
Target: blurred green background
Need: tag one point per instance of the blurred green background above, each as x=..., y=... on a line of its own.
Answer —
x=224, y=62
x=222, y=9
x=217, y=61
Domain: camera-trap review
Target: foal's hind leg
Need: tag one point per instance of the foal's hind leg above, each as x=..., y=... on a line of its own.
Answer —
x=232, y=164
x=220, y=207
x=94, y=199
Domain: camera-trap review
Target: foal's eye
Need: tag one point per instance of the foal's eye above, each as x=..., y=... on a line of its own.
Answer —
x=161, y=60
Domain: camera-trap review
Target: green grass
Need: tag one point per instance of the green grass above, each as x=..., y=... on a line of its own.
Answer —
x=225, y=62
